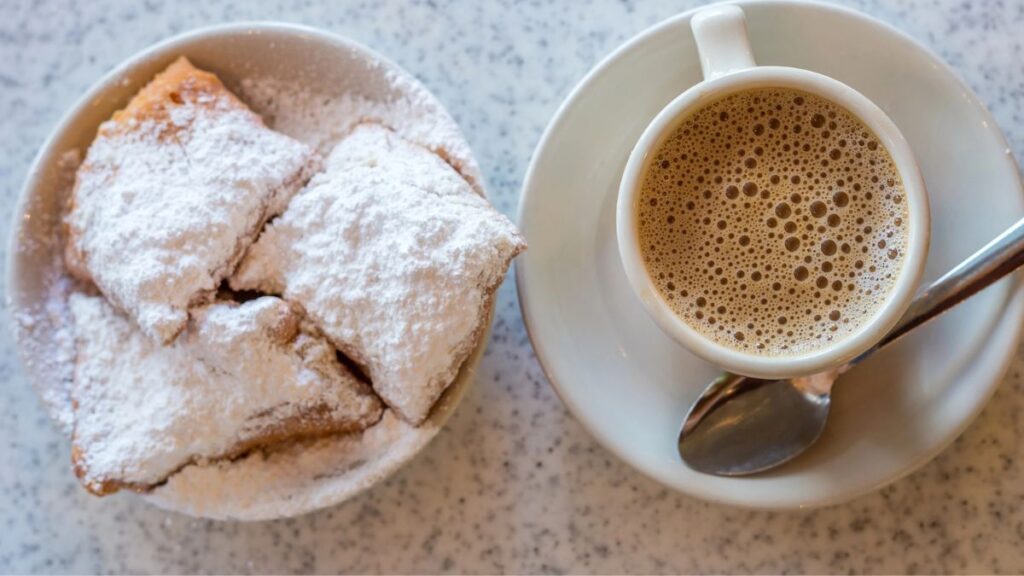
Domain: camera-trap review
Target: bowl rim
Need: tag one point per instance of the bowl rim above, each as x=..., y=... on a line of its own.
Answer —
x=47, y=155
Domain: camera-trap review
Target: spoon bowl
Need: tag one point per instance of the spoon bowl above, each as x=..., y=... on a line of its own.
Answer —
x=745, y=425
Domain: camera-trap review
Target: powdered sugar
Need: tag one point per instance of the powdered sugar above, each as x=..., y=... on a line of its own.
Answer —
x=302, y=476
x=395, y=257
x=239, y=375
x=321, y=121
x=43, y=329
x=48, y=331
x=171, y=192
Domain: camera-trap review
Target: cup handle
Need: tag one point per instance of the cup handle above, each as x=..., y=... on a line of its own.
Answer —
x=721, y=35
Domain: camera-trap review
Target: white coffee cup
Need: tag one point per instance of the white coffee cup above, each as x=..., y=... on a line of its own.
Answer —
x=728, y=65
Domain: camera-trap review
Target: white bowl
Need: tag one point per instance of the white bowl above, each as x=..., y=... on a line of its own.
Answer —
x=256, y=487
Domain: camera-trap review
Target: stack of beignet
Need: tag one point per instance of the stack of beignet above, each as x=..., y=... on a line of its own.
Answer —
x=387, y=256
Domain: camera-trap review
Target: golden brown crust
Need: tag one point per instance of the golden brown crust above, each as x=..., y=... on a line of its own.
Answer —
x=179, y=83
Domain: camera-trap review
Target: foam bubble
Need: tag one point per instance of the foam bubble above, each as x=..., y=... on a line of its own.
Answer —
x=772, y=221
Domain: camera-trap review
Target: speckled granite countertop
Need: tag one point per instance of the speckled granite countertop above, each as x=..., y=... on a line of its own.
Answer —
x=513, y=484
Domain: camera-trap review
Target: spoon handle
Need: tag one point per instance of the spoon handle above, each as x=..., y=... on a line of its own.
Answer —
x=997, y=259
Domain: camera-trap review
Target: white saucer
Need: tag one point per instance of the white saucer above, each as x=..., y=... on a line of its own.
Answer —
x=630, y=385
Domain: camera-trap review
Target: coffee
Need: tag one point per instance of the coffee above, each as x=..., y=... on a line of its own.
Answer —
x=773, y=222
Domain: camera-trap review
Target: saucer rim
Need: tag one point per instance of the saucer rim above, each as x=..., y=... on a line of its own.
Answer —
x=1012, y=306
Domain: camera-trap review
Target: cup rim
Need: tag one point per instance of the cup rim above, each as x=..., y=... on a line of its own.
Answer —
x=918, y=236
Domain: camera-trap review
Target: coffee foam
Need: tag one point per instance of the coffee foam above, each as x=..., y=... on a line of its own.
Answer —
x=773, y=222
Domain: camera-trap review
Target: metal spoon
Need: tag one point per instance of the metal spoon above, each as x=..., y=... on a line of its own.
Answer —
x=743, y=425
